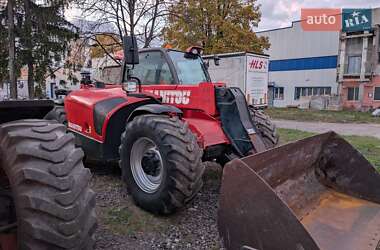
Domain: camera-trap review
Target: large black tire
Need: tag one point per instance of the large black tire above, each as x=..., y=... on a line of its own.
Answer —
x=266, y=128
x=55, y=208
x=181, y=160
x=57, y=114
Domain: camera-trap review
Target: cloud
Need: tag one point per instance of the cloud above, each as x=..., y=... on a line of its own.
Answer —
x=281, y=13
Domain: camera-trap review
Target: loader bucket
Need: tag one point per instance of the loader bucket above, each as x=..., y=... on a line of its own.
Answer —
x=316, y=193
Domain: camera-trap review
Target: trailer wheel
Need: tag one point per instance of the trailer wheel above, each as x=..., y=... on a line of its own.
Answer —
x=57, y=114
x=40, y=167
x=161, y=163
x=265, y=127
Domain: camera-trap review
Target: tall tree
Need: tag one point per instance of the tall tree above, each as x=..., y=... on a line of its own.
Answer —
x=3, y=48
x=11, y=49
x=29, y=46
x=44, y=39
x=142, y=18
x=217, y=25
x=42, y=36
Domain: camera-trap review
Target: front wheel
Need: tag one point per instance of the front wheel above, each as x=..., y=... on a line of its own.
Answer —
x=161, y=163
x=265, y=128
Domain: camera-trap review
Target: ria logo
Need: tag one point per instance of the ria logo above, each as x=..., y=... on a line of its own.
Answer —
x=357, y=19
x=173, y=96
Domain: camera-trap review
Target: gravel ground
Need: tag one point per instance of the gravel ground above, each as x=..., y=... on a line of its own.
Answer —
x=122, y=225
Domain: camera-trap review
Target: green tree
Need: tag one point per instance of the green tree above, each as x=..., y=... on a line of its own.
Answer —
x=217, y=25
x=42, y=36
x=3, y=54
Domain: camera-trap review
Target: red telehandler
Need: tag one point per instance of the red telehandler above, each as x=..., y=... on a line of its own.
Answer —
x=166, y=117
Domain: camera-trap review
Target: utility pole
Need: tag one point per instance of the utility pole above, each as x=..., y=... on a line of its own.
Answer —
x=11, y=41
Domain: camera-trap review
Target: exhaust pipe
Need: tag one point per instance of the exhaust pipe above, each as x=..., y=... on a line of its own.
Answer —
x=316, y=193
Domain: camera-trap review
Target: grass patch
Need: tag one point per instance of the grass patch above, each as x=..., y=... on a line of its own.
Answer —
x=368, y=146
x=321, y=116
x=289, y=135
x=132, y=220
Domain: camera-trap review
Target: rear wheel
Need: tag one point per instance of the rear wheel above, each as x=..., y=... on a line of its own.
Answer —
x=57, y=114
x=266, y=128
x=45, y=186
x=161, y=163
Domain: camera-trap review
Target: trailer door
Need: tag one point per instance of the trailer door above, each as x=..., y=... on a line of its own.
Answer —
x=257, y=80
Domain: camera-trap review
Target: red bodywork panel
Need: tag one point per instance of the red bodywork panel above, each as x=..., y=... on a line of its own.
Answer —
x=79, y=107
x=199, y=109
x=196, y=101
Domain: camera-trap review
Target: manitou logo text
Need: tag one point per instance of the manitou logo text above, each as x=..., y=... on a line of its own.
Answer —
x=173, y=96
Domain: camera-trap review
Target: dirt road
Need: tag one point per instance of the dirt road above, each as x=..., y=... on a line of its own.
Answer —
x=364, y=129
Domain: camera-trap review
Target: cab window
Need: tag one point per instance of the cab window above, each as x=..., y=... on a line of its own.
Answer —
x=153, y=69
x=189, y=70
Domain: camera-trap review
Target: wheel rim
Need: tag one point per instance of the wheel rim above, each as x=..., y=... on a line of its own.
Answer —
x=146, y=165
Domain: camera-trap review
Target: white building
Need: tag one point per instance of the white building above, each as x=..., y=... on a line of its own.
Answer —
x=302, y=63
x=62, y=79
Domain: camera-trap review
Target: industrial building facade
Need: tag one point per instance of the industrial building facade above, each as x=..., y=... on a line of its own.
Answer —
x=301, y=64
x=345, y=63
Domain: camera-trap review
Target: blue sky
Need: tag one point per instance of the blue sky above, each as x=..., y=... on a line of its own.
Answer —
x=280, y=13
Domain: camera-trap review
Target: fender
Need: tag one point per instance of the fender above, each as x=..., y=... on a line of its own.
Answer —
x=113, y=125
x=156, y=109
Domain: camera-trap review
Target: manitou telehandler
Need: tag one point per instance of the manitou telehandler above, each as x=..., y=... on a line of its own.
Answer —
x=45, y=199
x=166, y=117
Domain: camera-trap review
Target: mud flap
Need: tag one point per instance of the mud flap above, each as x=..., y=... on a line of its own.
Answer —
x=316, y=193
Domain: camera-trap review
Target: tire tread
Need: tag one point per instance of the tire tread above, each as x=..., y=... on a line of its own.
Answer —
x=50, y=185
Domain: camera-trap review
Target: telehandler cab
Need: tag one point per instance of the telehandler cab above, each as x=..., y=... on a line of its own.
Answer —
x=166, y=117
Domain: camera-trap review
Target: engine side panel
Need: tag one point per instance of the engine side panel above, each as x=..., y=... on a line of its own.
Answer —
x=90, y=109
x=101, y=109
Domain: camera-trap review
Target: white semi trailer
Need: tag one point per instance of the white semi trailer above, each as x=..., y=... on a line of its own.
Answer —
x=248, y=71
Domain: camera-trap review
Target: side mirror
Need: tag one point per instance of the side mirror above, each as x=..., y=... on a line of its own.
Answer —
x=216, y=60
x=131, y=51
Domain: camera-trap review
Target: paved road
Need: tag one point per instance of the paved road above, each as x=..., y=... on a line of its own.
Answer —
x=363, y=129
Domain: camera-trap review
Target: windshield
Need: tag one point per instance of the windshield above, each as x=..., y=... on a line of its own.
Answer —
x=189, y=70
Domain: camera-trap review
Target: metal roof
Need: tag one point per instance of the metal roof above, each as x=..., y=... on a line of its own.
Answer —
x=232, y=54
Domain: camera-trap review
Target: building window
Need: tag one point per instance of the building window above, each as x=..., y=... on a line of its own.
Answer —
x=376, y=95
x=354, y=64
x=353, y=94
x=311, y=91
x=279, y=93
